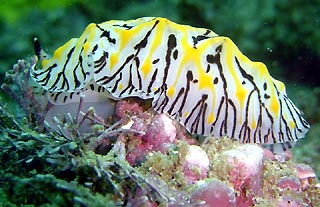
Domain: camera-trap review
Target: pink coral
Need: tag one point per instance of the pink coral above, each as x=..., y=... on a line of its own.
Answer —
x=157, y=132
x=214, y=193
x=125, y=108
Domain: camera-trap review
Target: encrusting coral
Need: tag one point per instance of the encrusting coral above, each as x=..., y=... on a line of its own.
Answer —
x=135, y=157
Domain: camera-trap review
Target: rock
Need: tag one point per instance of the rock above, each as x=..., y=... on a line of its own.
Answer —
x=160, y=132
x=289, y=201
x=246, y=174
x=306, y=174
x=214, y=193
x=195, y=164
x=292, y=183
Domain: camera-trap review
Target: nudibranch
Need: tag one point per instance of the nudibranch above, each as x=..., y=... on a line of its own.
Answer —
x=192, y=74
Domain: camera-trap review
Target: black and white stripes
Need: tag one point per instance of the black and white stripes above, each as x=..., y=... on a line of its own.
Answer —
x=190, y=73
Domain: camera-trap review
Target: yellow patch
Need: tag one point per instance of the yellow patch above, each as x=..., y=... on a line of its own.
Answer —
x=86, y=47
x=146, y=68
x=210, y=118
x=241, y=94
x=62, y=51
x=113, y=60
x=44, y=63
x=253, y=123
x=274, y=107
x=292, y=124
x=170, y=91
x=120, y=86
x=205, y=79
